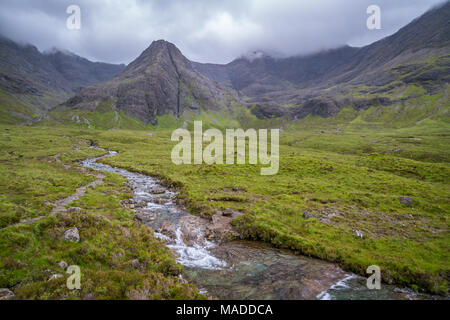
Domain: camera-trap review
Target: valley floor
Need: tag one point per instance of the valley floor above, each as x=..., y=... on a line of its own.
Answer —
x=353, y=195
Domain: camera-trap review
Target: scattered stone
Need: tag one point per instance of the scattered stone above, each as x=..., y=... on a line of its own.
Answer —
x=141, y=204
x=55, y=276
x=227, y=213
x=135, y=264
x=74, y=209
x=407, y=201
x=142, y=217
x=359, y=234
x=168, y=229
x=72, y=235
x=161, y=201
x=239, y=189
x=63, y=265
x=126, y=233
x=157, y=191
x=149, y=134
x=307, y=215
x=6, y=294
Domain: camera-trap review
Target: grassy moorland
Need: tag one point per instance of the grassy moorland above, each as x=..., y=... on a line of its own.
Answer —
x=348, y=173
x=348, y=179
x=119, y=258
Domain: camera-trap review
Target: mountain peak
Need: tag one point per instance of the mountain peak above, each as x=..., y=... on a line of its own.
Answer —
x=160, y=81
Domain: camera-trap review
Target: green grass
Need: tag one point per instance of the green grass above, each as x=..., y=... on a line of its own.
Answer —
x=348, y=171
x=348, y=179
x=31, y=181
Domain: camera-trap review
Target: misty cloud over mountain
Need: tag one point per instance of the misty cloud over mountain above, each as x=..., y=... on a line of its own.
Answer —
x=206, y=31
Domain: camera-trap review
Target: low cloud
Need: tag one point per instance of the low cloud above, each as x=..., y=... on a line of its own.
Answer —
x=206, y=31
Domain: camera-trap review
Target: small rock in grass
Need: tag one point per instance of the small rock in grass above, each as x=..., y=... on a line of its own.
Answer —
x=135, y=264
x=307, y=215
x=63, y=265
x=227, y=213
x=74, y=209
x=407, y=201
x=6, y=294
x=359, y=234
x=72, y=235
x=126, y=233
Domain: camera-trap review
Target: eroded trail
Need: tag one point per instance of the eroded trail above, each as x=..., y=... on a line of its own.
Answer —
x=238, y=269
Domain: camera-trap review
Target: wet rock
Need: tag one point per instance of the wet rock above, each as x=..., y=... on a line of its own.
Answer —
x=192, y=230
x=407, y=201
x=307, y=215
x=141, y=204
x=220, y=228
x=142, y=217
x=6, y=294
x=72, y=235
x=63, y=265
x=161, y=201
x=157, y=191
x=239, y=189
x=168, y=229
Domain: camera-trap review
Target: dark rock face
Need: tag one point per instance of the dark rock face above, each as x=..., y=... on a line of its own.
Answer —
x=160, y=81
x=305, y=81
x=321, y=106
x=267, y=74
x=82, y=72
x=267, y=110
x=48, y=78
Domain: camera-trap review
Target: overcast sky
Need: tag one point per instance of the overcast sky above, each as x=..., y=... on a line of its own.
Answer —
x=204, y=30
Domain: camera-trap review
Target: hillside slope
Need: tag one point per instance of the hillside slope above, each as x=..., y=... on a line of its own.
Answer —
x=160, y=82
x=32, y=82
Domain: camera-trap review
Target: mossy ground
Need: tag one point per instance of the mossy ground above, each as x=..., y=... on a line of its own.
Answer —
x=350, y=178
x=348, y=171
x=31, y=180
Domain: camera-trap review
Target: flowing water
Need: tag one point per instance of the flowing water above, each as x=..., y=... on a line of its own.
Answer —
x=240, y=269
